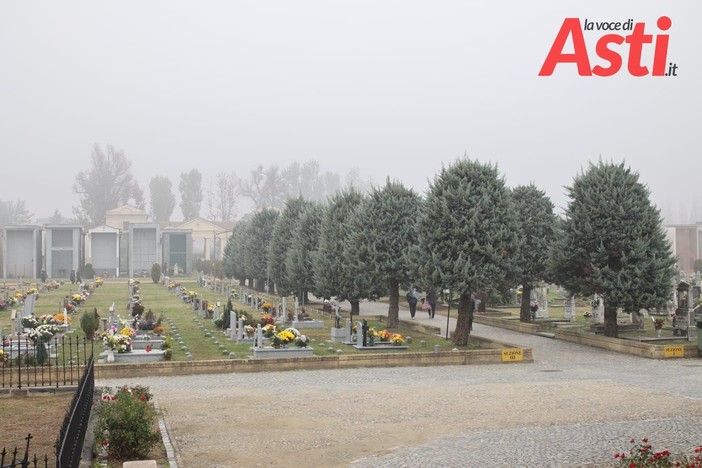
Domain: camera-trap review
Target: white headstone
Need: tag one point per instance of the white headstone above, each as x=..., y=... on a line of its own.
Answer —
x=349, y=339
x=598, y=312
x=569, y=308
x=359, y=334
x=28, y=306
x=285, y=308
x=542, y=299
x=258, y=342
x=240, y=329
x=16, y=322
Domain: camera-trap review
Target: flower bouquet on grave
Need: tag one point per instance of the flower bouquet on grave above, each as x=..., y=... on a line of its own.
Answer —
x=371, y=335
x=533, y=306
x=302, y=316
x=286, y=337
x=30, y=322
x=137, y=309
x=267, y=307
x=269, y=330
x=267, y=319
x=397, y=339
x=658, y=323
x=301, y=341
x=47, y=319
x=42, y=333
x=128, y=331
x=123, y=343
x=59, y=318
x=384, y=335
x=249, y=330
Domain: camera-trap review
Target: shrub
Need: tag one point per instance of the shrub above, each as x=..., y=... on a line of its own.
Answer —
x=127, y=423
x=155, y=272
x=89, y=323
x=88, y=271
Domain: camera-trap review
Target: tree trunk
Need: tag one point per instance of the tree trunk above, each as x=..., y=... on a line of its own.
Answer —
x=525, y=309
x=610, y=321
x=355, y=308
x=394, y=306
x=464, y=323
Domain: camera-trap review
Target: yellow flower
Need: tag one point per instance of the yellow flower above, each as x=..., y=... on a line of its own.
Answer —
x=384, y=335
x=397, y=338
x=59, y=318
x=286, y=336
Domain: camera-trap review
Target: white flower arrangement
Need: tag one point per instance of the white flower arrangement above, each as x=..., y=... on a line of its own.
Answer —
x=42, y=333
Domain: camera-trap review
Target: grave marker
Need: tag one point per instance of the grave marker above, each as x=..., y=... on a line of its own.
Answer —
x=569, y=308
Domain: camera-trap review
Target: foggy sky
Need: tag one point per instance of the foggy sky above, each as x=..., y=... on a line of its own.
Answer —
x=394, y=88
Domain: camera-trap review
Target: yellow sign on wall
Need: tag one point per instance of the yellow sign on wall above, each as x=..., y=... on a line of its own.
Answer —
x=512, y=355
x=673, y=351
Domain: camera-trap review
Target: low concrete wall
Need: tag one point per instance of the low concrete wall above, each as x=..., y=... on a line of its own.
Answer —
x=636, y=348
x=509, y=324
x=344, y=361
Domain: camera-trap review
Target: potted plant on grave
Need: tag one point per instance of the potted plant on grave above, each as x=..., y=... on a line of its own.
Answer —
x=40, y=337
x=658, y=323
x=372, y=335
x=277, y=342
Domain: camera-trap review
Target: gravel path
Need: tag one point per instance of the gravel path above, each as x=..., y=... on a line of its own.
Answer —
x=574, y=406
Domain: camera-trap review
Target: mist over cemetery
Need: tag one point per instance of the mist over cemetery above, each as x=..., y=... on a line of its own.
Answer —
x=351, y=281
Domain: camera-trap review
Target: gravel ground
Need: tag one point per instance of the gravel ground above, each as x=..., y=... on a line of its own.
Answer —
x=574, y=406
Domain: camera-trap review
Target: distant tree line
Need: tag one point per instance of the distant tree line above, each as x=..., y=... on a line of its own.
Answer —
x=109, y=183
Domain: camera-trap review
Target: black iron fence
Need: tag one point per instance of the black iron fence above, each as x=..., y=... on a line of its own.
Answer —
x=70, y=441
x=60, y=362
x=15, y=459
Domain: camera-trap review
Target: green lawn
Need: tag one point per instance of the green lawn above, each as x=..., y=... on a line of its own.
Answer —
x=180, y=319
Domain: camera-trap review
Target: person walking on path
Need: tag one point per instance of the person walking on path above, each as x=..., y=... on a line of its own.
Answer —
x=431, y=300
x=412, y=299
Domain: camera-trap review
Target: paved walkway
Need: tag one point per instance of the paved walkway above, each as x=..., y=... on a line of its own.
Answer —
x=574, y=406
